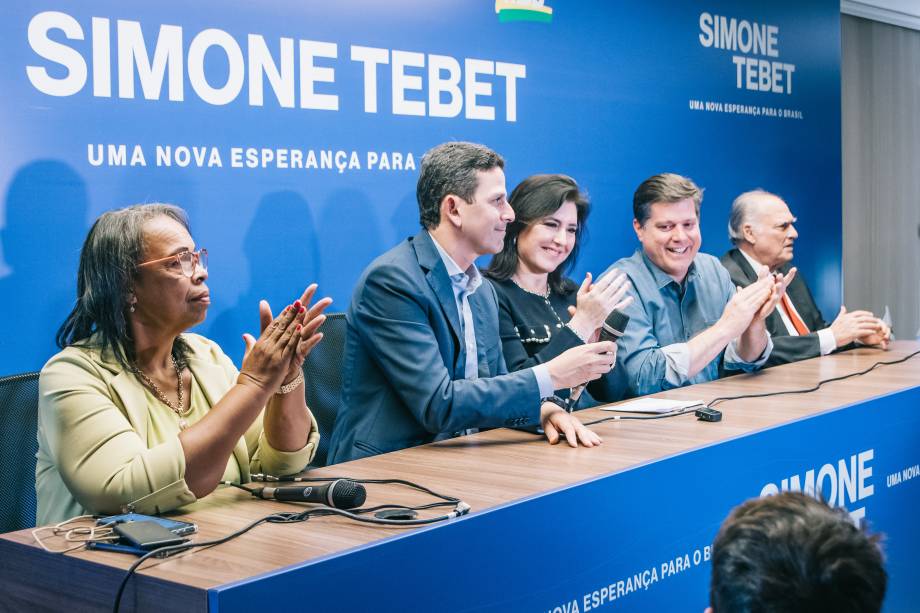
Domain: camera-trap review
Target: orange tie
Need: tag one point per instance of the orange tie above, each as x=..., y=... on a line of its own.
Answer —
x=797, y=322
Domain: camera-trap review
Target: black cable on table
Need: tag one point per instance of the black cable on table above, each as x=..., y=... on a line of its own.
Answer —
x=721, y=399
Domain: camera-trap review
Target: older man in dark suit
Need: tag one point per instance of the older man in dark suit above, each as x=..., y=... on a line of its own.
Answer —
x=423, y=357
x=763, y=231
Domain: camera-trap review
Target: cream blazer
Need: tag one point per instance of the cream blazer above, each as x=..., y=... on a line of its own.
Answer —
x=93, y=433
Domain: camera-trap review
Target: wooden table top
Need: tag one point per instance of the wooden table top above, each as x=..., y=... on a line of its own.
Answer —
x=500, y=466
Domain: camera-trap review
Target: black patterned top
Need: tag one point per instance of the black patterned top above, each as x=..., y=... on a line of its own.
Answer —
x=533, y=331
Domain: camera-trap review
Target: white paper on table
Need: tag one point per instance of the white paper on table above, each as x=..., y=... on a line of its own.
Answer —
x=653, y=405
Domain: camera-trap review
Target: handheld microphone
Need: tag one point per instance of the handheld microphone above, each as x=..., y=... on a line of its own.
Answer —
x=341, y=494
x=613, y=328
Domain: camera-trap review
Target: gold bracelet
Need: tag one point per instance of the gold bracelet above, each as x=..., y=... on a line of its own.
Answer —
x=287, y=388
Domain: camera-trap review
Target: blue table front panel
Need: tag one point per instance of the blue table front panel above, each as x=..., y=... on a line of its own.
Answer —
x=636, y=540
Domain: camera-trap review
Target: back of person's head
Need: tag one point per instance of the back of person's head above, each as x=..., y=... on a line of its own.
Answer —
x=450, y=168
x=792, y=553
x=665, y=188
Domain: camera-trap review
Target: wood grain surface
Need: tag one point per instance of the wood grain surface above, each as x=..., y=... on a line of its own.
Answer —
x=484, y=470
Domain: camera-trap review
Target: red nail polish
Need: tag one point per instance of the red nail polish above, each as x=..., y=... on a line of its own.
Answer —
x=297, y=304
x=302, y=309
x=299, y=327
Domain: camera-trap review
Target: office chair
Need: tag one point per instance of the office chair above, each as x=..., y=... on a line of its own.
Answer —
x=322, y=371
x=18, y=445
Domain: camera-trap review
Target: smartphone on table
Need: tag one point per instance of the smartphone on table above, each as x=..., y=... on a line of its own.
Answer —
x=182, y=528
x=138, y=540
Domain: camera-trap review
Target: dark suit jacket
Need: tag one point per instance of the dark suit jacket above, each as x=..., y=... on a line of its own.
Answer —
x=404, y=360
x=785, y=348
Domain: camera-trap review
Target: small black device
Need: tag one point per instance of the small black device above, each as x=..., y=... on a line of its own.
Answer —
x=147, y=534
x=707, y=414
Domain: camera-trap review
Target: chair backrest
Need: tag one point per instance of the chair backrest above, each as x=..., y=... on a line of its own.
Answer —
x=18, y=444
x=323, y=373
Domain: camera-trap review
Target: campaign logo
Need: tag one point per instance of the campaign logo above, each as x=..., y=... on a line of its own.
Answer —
x=523, y=10
x=754, y=49
x=842, y=484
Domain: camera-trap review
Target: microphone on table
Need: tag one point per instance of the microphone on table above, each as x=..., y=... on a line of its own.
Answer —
x=613, y=328
x=341, y=494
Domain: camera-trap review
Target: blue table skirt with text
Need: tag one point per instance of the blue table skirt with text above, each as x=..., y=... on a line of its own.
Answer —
x=635, y=540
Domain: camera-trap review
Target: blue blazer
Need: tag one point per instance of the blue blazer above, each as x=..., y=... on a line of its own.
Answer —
x=404, y=360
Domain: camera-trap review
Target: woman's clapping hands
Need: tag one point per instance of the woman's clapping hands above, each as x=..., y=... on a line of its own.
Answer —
x=276, y=357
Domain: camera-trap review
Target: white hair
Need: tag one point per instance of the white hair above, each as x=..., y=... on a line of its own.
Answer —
x=742, y=209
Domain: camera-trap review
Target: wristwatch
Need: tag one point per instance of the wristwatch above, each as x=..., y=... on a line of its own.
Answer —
x=560, y=402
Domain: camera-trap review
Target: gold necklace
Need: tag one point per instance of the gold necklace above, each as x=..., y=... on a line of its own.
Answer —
x=178, y=410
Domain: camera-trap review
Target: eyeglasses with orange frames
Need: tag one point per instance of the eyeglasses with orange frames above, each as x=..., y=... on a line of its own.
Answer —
x=187, y=261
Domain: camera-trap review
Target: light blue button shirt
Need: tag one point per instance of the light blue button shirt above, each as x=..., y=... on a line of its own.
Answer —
x=665, y=315
x=464, y=284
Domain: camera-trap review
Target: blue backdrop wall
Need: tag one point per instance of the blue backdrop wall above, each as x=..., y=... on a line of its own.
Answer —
x=292, y=133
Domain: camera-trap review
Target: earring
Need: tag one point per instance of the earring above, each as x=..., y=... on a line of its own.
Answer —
x=131, y=308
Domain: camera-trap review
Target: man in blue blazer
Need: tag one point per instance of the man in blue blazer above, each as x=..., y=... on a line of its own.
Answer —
x=423, y=357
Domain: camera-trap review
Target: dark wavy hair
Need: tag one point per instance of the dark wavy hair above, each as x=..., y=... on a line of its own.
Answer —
x=533, y=199
x=108, y=267
x=792, y=553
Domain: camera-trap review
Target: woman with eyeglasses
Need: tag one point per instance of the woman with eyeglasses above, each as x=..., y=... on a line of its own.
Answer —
x=542, y=313
x=135, y=411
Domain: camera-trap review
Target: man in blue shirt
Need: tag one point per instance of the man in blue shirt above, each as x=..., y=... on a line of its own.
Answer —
x=686, y=317
x=423, y=357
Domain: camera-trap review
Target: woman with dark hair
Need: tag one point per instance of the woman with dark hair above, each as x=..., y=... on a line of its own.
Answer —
x=134, y=411
x=542, y=313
